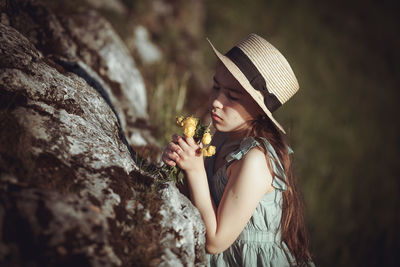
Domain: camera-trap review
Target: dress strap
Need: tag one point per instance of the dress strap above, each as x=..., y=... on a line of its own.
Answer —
x=248, y=143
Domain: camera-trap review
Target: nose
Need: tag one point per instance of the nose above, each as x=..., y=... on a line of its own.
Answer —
x=217, y=100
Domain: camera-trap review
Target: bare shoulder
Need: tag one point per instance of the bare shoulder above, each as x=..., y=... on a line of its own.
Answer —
x=255, y=158
x=253, y=167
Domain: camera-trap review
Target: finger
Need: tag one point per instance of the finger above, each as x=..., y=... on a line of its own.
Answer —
x=182, y=143
x=172, y=156
x=190, y=141
x=170, y=162
x=175, y=138
x=176, y=152
x=175, y=156
x=167, y=160
x=170, y=150
x=174, y=147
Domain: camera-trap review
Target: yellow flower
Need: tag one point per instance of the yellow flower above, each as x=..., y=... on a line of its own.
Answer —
x=206, y=138
x=211, y=150
x=190, y=121
x=179, y=120
x=189, y=130
x=205, y=152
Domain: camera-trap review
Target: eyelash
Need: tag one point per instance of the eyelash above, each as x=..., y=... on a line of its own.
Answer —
x=229, y=95
x=232, y=98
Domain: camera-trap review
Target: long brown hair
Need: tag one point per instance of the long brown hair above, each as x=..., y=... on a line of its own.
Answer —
x=293, y=230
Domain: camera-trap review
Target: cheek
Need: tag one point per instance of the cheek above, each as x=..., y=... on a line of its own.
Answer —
x=252, y=108
x=242, y=113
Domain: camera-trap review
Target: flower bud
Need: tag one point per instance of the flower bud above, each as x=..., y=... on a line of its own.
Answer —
x=205, y=152
x=189, y=130
x=206, y=138
x=211, y=150
x=179, y=120
x=190, y=121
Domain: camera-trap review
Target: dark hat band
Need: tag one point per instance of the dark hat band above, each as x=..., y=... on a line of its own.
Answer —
x=243, y=62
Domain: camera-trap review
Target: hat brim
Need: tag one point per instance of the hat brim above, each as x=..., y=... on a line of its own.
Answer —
x=241, y=78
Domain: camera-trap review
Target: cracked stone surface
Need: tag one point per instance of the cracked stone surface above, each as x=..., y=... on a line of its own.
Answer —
x=70, y=189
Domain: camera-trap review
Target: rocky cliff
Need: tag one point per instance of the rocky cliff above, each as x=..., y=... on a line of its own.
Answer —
x=72, y=188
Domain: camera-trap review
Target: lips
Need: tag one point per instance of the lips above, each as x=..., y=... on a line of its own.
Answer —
x=215, y=117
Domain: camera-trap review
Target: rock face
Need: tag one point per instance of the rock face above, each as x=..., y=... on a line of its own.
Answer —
x=72, y=104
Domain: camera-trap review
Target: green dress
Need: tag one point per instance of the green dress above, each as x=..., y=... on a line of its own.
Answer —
x=259, y=242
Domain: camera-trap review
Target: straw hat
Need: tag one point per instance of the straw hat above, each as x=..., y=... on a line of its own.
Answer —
x=262, y=71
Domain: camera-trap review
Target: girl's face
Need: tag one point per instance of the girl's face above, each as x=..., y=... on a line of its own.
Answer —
x=232, y=108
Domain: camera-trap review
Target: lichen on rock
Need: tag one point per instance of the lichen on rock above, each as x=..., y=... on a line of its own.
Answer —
x=72, y=189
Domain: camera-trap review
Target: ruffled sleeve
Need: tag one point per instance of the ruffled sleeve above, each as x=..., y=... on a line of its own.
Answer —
x=245, y=145
x=250, y=142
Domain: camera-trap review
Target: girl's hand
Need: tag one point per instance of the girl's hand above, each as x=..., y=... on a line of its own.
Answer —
x=170, y=154
x=189, y=156
x=184, y=152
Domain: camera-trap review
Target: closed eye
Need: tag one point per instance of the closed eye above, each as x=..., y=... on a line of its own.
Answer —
x=227, y=93
x=232, y=97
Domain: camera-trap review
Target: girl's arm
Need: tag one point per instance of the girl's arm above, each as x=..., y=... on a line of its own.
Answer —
x=249, y=179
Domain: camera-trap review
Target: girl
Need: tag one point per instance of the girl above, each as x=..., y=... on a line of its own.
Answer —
x=245, y=193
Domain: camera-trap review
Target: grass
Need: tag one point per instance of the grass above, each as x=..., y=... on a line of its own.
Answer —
x=166, y=92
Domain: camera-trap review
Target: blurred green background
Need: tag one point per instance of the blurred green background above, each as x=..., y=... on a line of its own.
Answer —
x=342, y=125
